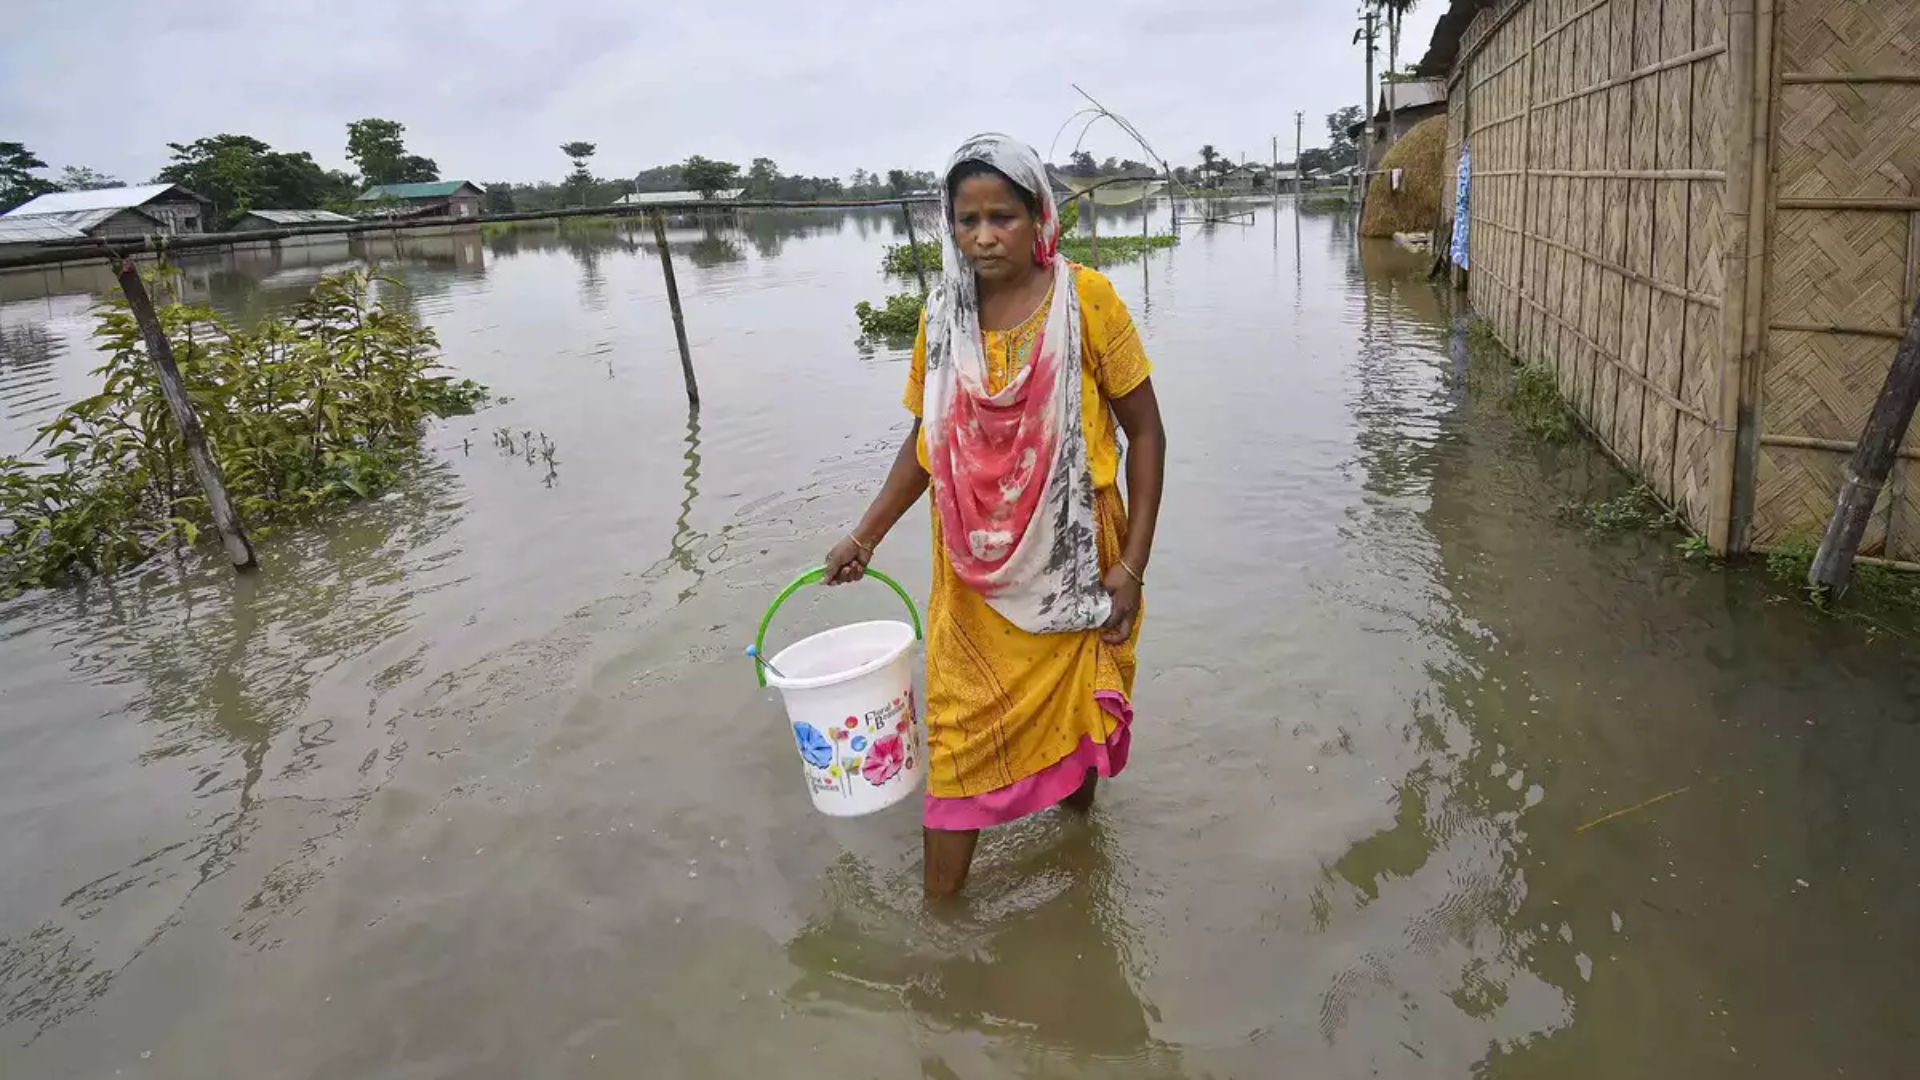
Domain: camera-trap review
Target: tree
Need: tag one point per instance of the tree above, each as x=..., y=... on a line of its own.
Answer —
x=580, y=180
x=81, y=178
x=499, y=198
x=1081, y=164
x=809, y=188
x=763, y=179
x=1209, y=161
x=237, y=173
x=377, y=146
x=660, y=178
x=1394, y=11
x=1342, y=148
x=898, y=182
x=17, y=182
x=709, y=177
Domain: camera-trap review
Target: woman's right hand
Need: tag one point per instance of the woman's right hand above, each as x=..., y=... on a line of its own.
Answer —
x=847, y=562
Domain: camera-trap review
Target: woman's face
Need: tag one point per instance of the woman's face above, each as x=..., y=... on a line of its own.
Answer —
x=993, y=228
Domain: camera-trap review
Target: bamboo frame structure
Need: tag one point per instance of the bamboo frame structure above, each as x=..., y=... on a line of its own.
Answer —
x=1703, y=217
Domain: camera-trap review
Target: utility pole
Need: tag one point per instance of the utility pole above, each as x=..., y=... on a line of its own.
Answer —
x=1369, y=22
x=1299, y=122
x=1273, y=178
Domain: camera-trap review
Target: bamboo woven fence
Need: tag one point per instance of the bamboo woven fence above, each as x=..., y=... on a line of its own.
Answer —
x=1703, y=216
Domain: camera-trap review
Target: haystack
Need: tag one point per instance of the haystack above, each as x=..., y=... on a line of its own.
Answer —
x=1420, y=155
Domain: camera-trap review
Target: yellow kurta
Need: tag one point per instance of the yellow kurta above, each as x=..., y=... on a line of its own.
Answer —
x=1003, y=704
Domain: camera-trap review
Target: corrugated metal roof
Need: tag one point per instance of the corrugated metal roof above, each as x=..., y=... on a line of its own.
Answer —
x=1413, y=94
x=65, y=202
x=36, y=229
x=300, y=217
x=78, y=222
x=431, y=189
x=655, y=198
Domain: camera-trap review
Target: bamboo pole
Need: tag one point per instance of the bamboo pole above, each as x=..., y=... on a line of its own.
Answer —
x=1754, y=336
x=673, y=303
x=1734, y=268
x=226, y=521
x=913, y=246
x=1521, y=284
x=1867, y=471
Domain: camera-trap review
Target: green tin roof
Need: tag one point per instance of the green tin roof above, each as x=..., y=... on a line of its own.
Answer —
x=433, y=189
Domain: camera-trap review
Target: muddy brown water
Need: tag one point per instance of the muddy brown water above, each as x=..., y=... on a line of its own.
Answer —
x=472, y=780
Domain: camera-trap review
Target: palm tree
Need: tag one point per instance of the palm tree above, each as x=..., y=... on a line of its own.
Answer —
x=1208, y=157
x=1395, y=11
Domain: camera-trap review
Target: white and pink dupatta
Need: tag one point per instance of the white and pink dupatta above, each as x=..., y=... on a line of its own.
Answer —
x=1010, y=476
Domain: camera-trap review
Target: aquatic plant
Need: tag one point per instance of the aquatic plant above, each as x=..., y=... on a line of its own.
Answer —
x=898, y=258
x=1113, y=249
x=900, y=317
x=1789, y=559
x=322, y=406
x=1534, y=400
x=1634, y=510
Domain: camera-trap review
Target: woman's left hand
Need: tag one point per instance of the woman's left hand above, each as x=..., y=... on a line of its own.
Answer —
x=1125, y=593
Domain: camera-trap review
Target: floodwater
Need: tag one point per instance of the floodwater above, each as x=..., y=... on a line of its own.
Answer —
x=472, y=780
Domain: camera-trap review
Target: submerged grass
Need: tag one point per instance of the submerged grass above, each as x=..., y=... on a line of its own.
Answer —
x=1789, y=561
x=1637, y=509
x=1536, y=404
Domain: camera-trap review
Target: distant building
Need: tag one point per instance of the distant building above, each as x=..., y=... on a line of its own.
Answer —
x=255, y=220
x=669, y=198
x=22, y=234
x=1241, y=180
x=448, y=200
x=173, y=208
x=1412, y=101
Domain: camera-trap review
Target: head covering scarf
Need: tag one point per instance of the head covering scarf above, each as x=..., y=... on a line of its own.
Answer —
x=1010, y=476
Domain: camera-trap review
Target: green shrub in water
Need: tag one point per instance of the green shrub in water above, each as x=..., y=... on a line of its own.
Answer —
x=899, y=318
x=899, y=258
x=322, y=406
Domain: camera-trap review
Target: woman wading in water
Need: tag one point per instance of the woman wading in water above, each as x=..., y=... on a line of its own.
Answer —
x=1026, y=369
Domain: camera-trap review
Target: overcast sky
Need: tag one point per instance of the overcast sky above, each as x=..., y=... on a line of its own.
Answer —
x=490, y=88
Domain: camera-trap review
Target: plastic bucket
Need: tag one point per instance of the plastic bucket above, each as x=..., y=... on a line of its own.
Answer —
x=851, y=712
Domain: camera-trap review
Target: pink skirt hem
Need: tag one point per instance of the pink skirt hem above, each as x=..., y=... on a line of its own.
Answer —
x=1045, y=788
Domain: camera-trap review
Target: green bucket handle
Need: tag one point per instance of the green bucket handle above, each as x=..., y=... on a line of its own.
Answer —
x=814, y=577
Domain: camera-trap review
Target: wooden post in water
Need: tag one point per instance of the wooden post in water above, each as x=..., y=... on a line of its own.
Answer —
x=233, y=536
x=913, y=246
x=1867, y=471
x=1093, y=231
x=673, y=304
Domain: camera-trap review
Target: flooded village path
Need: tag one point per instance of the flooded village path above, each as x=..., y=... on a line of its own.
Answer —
x=473, y=782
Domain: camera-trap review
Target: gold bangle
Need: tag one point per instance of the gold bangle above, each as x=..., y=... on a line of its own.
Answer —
x=865, y=548
x=1134, y=574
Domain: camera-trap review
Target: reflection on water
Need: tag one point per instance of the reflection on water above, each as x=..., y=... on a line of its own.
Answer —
x=1041, y=969
x=472, y=779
